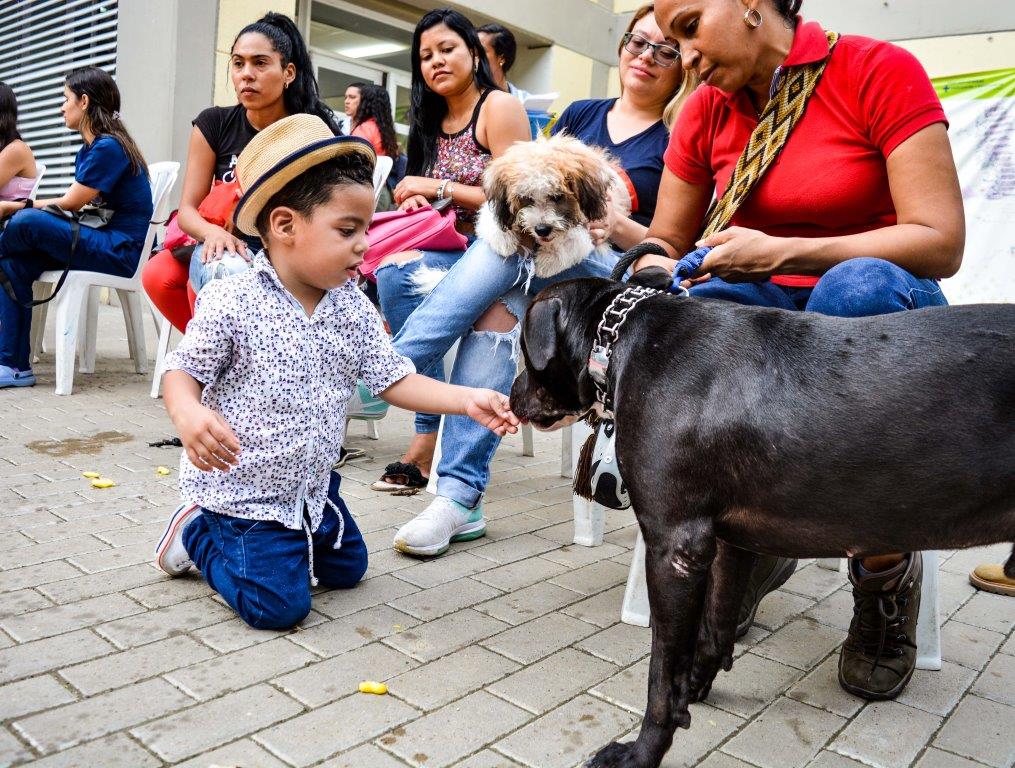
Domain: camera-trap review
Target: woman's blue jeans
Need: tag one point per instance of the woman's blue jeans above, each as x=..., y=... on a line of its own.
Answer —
x=854, y=288
x=485, y=358
x=35, y=241
x=401, y=288
x=203, y=273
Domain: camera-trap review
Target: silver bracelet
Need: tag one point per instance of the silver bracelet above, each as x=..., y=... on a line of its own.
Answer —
x=451, y=189
x=440, y=189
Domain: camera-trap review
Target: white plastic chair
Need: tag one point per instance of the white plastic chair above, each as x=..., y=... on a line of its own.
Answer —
x=77, y=302
x=381, y=171
x=40, y=171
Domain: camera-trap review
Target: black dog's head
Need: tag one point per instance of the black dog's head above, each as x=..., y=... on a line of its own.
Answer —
x=555, y=388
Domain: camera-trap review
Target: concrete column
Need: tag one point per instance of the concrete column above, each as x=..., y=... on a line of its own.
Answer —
x=164, y=61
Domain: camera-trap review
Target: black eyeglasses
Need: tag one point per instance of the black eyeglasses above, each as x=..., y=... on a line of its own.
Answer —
x=662, y=54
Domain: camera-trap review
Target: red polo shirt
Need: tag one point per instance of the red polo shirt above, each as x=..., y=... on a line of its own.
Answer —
x=831, y=177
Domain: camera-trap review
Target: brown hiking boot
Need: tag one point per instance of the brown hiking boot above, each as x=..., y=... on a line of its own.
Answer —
x=879, y=655
x=769, y=574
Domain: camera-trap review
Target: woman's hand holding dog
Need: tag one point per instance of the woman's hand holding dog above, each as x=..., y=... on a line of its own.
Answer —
x=741, y=255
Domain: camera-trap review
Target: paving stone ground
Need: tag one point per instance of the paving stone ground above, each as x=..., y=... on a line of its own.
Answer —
x=507, y=652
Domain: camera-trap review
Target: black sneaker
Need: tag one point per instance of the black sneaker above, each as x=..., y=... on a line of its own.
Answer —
x=879, y=654
x=769, y=574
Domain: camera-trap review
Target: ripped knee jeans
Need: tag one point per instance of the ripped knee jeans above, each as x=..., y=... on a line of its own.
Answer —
x=401, y=288
x=485, y=358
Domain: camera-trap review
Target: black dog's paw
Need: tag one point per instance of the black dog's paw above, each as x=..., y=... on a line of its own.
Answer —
x=703, y=673
x=652, y=277
x=615, y=755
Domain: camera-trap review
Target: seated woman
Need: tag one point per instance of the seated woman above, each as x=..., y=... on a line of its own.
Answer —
x=459, y=120
x=634, y=128
x=18, y=173
x=273, y=77
x=374, y=122
x=861, y=215
x=109, y=171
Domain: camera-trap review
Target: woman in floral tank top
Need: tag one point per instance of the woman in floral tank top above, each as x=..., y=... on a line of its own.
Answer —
x=458, y=121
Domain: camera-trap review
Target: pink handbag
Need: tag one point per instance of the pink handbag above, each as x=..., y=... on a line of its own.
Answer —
x=421, y=229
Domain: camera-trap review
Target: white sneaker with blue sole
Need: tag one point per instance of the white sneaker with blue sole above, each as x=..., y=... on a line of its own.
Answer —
x=431, y=532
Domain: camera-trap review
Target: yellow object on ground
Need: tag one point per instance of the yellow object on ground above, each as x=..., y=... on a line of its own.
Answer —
x=162, y=470
x=369, y=686
x=103, y=482
x=91, y=475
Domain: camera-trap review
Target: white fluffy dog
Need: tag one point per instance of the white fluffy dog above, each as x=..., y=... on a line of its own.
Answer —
x=541, y=196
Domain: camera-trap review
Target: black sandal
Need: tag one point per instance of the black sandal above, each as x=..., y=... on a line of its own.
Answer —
x=401, y=478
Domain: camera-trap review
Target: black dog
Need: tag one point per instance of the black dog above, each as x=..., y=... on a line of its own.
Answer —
x=786, y=433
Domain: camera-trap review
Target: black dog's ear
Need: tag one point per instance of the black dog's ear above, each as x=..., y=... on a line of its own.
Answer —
x=540, y=332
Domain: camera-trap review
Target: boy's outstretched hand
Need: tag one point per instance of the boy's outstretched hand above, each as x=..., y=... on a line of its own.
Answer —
x=492, y=410
x=424, y=395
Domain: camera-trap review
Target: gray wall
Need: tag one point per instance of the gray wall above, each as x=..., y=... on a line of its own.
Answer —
x=164, y=65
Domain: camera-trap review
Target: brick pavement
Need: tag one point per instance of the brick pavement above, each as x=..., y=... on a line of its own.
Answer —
x=506, y=653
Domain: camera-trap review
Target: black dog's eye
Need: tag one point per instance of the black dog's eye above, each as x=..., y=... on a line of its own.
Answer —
x=557, y=198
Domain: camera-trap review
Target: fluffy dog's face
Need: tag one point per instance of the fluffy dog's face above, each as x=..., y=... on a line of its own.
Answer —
x=555, y=389
x=541, y=195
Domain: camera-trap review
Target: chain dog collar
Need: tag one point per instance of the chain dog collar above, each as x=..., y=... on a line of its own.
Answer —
x=607, y=333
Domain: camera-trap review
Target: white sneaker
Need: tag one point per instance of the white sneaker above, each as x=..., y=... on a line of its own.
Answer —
x=431, y=532
x=170, y=555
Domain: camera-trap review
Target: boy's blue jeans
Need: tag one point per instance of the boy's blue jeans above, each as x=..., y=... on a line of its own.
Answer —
x=485, y=358
x=261, y=568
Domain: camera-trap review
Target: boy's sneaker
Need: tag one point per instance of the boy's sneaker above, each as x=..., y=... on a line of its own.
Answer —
x=431, y=532
x=12, y=377
x=170, y=555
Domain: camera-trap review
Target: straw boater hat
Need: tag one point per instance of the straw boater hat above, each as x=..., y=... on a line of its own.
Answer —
x=280, y=153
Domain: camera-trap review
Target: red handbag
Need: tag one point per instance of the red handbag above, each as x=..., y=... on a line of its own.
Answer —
x=217, y=208
x=421, y=229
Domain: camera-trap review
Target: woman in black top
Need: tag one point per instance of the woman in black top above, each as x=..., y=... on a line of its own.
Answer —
x=273, y=77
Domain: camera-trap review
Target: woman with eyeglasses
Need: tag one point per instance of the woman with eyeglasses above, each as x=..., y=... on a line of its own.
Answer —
x=634, y=128
x=484, y=295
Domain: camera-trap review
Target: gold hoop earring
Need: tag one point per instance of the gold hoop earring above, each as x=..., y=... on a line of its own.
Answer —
x=752, y=18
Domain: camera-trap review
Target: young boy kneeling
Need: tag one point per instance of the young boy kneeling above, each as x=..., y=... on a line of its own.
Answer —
x=258, y=387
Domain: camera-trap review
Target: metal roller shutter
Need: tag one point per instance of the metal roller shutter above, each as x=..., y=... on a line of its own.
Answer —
x=40, y=42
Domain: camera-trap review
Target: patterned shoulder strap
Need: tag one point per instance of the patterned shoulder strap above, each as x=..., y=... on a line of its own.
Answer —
x=780, y=116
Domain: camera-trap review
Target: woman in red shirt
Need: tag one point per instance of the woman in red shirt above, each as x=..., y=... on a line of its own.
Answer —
x=859, y=215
